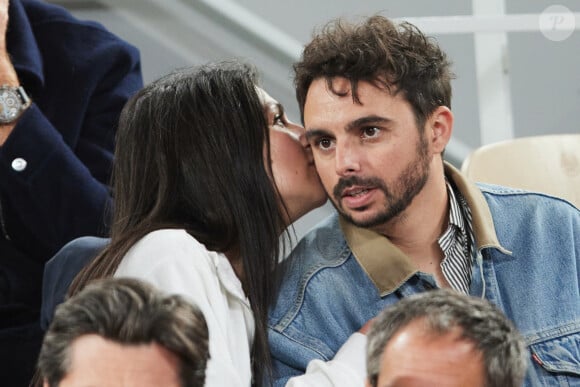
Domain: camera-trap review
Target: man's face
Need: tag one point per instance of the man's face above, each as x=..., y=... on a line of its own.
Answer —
x=96, y=361
x=415, y=357
x=371, y=157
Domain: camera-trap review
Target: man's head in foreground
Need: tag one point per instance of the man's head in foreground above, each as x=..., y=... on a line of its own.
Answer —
x=443, y=338
x=123, y=332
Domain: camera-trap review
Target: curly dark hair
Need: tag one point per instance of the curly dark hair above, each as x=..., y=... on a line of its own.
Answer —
x=397, y=57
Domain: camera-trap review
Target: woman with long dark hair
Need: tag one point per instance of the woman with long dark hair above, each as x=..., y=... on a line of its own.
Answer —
x=208, y=173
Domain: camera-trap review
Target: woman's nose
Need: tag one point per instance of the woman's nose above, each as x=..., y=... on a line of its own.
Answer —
x=299, y=133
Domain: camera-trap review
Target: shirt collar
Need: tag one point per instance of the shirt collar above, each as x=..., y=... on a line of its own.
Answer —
x=387, y=266
x=456, y=225
x=22, y=46
x=483, y=228
x=455, y=217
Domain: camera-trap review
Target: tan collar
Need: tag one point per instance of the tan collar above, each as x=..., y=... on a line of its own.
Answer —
x=387, y=266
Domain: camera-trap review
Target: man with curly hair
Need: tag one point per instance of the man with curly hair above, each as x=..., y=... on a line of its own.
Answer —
x=375, y=99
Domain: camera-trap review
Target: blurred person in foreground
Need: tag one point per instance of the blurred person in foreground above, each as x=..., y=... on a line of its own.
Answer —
x=444, y=338
x=124, y=330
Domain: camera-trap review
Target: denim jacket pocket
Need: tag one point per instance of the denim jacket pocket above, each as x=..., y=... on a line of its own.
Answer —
x=559, y=355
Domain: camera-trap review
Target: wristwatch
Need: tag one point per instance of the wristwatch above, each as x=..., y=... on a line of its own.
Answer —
x=13, y=101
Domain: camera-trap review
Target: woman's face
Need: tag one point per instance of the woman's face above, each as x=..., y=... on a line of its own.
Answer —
x=292, y=162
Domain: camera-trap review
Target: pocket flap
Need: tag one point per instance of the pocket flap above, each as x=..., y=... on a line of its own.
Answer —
x=560, y=354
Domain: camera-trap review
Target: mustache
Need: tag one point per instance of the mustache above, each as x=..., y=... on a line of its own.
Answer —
x=348, y=182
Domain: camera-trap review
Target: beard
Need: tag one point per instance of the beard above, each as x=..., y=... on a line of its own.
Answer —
x=398, y=196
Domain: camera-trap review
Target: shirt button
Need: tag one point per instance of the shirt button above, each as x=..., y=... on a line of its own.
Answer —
x=19, y=164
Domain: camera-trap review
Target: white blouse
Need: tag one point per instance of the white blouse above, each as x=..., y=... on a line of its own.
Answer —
x=175, y=262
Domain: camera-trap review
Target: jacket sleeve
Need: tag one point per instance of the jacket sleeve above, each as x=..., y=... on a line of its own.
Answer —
x=60, y=271
x=58, y=187
x=347, y=368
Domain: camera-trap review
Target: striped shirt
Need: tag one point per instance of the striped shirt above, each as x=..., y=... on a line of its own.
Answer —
x=456, y=243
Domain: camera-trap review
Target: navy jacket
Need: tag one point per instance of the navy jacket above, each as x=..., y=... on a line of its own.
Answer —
x=79, y=77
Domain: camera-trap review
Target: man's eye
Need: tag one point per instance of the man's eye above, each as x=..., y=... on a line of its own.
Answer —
x=370, y=132
x=324, y=143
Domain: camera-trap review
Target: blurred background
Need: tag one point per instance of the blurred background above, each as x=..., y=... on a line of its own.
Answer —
x=517, y=62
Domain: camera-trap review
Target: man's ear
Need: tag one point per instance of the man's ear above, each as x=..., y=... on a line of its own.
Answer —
x=439, y=127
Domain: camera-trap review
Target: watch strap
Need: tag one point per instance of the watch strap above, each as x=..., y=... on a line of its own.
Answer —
x=23, y=96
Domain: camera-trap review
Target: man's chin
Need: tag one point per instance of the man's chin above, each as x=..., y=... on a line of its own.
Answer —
x=362, y=219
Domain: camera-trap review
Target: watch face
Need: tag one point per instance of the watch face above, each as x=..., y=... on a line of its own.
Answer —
x=10, y=105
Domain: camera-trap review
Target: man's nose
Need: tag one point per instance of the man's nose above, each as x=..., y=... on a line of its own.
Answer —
x=347, y=159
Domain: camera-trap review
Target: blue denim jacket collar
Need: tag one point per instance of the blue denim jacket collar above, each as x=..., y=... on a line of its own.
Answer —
x=385, y=264
x=388, y=267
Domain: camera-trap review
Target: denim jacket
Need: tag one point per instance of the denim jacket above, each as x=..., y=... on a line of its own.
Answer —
x=526, y=261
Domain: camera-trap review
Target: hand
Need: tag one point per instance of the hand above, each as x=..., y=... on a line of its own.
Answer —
x=365, y=328
x=3, y=24
x=8, y=74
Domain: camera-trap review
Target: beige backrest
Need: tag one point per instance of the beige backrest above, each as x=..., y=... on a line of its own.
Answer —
x=548, y=164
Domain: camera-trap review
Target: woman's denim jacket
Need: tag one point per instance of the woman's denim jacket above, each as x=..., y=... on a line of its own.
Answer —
x=527, y=262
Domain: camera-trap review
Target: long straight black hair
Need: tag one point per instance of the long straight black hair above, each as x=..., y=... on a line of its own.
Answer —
x=192, y=152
